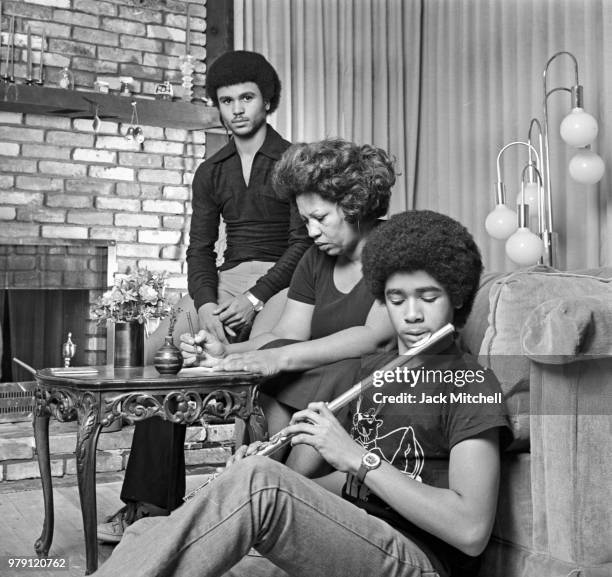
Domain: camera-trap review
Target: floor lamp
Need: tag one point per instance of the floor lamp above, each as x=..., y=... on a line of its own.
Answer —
x=578, y=129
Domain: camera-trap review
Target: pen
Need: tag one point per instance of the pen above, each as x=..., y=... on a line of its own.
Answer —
x=197, y=355
x=190, y=325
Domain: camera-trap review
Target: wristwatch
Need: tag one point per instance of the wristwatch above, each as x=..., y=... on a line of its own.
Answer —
x=369, y=462
x=257, y=304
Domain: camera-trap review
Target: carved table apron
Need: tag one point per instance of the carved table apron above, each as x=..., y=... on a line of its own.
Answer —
x=136, y=393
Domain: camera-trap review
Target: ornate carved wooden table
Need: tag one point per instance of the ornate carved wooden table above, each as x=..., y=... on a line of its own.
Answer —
x=99, y=398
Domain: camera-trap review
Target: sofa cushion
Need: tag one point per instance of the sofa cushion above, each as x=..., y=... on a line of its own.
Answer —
x=565, y=330
x=512, y=298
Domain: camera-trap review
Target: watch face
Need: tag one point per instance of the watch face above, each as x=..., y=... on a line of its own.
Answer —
x=371, y=460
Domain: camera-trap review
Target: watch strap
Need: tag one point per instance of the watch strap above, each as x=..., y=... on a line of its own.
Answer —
x=361, y=473
x=257, y=304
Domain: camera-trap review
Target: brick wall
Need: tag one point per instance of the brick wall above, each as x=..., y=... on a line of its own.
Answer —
x=205, y=449
x=59, y=179
x=70, y=266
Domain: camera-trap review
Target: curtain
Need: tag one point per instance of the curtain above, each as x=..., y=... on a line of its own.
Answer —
x=349, y=68
x=443, y=85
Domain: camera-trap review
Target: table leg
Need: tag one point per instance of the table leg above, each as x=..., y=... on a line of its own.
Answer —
x=257, y=426
x=41, y=439
x=241, y=436
x=87, y=441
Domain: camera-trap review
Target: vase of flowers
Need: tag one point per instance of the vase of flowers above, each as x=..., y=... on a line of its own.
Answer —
x=133, y=301
x=168, y=359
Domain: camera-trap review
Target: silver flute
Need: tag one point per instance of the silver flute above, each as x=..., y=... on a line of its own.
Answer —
x=436, y=342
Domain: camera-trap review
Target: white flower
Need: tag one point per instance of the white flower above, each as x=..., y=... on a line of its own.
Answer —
x=107, y=299
x=148, y=294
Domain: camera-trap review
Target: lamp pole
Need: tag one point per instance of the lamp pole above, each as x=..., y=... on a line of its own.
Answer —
x=547, y=232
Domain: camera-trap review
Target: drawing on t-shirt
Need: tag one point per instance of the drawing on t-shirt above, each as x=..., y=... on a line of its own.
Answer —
x=394, y=447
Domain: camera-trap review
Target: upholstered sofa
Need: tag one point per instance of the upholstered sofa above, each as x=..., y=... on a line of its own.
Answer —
x=548, y=337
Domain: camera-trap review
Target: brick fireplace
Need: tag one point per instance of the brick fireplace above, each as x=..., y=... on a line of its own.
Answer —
x=66, y=186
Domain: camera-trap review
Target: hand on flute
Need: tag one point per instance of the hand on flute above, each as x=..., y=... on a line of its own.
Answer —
x=318, y=427
x=241, y=452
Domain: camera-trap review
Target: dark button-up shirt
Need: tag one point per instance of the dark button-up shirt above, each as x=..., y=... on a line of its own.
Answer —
x=260, y=225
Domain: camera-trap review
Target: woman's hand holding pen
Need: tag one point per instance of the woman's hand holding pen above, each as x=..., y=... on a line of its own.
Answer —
x=202, y=349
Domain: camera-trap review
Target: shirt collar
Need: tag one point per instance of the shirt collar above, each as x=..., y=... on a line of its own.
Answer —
x=272, y=147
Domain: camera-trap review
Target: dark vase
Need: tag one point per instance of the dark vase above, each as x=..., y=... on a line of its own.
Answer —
x=168, y=359
x=129, y=344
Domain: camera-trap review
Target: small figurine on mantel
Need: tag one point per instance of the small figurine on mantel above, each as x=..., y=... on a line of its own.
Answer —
x=68, y=350
x=164, y=91
x=66, y=79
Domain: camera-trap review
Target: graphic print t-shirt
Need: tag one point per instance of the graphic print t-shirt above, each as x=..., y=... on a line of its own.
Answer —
x=412, y=419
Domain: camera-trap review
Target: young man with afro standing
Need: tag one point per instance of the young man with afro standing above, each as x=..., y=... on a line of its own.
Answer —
x=265, y=239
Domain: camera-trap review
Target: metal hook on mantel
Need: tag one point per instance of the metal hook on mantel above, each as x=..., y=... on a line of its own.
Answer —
x=135, y=132
x=96, y=121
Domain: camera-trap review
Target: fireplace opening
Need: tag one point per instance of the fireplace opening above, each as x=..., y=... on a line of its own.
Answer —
x=46, y=289
x=35, y=325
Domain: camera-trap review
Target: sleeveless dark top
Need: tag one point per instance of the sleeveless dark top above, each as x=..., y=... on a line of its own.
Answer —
x=313, y=283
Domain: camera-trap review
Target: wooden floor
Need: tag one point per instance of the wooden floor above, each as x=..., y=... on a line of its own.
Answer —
x=21, y=517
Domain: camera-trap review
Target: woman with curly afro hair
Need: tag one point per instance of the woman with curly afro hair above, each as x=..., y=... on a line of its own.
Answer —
x=341, y=190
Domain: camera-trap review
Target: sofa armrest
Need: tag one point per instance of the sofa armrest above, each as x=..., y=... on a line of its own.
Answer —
x=566, y=330
x=571, y=460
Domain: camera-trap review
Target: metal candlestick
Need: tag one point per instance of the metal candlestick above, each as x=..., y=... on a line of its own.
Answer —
x=29, y=79
x=68, y=350
x=41, y=75
x=187, y=67
x=9, y=73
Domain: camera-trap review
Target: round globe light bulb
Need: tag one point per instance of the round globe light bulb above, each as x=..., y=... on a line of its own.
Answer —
x=531, y=192
x=579, y=128
x=524, y=248
x=501, y=222
x=586, y=167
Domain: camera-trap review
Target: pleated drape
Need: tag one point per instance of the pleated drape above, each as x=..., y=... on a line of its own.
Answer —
x=349, y=68
x=443, y=85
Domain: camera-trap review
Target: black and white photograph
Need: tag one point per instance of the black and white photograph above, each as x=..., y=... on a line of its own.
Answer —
x=306, y=288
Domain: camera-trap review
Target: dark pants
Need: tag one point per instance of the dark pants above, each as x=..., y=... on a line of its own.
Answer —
x=155, y=472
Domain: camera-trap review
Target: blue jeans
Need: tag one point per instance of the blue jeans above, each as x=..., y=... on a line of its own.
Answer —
x=298, y=528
